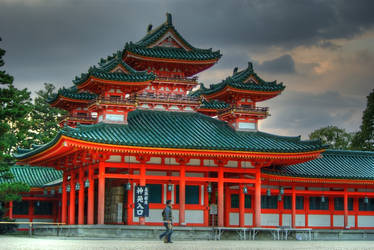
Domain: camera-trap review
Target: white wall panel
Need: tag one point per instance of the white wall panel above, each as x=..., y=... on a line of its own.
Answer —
x=270, y=219
x=319, y=220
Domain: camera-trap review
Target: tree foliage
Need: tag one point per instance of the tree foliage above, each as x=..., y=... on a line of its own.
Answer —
x=15, y=105
x=364, y=139
x=44, y=118
x=333, y=136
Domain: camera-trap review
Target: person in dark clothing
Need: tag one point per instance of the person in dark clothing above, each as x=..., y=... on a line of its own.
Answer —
x=167, y=217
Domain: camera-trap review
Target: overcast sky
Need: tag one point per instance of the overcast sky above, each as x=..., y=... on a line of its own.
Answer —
x=323, y=51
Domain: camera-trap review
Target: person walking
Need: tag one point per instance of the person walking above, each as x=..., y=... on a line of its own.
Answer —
x=167, y=217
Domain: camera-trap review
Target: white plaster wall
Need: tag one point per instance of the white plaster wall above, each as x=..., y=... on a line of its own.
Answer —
x=286, y=220
x=232, y=164
x=339, y=221
x=154, y=160
x=248, y=219
x=188, y=174
x=300, y=220
x=300, y=188
x=319, y=220
x=170, y=161
x=23, y=226
x=318, y=188
x=365, y=221
x=157, y=173
x=155, y=215
x=42, y=220
x=131, y=159
x=114, y=158
x=194, y=162
x=270, y=219
x=234, y=219
x=194, y=216
x=246, y=164
x=209, y=163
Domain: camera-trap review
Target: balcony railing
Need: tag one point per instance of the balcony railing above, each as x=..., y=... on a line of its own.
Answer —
x=78, y=118
x=177, y=79
x=114, y=101
x=258, y=110
x=167, y=98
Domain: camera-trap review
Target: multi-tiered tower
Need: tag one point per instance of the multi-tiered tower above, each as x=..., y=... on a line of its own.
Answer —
x=154, y=73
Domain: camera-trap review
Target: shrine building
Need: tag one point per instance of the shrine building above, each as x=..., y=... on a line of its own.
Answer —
x=140, y=118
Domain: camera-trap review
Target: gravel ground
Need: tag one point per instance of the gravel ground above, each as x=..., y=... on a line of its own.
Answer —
x=24, y=242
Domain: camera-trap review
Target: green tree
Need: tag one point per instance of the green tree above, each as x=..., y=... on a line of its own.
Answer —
x=44, y=118
x=15, y=104
x=333, y=136
x=364, y=139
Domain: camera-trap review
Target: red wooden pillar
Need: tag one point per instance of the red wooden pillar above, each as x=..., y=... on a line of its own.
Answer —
x=10, y=210
x=72, y=200
x=64, y=199
x=345, y=207
x=142, y=182
x=241, y=206
x=182, y=195
x=220, y=197
x=257, y=206
x=101, y=194
x=81, y=197
x=293, y=208
x=90, y=197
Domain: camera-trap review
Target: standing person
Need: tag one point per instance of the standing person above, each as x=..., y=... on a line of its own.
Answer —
x=168, y=222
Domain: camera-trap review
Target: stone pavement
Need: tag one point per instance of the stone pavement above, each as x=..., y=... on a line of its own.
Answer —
x=26, y=243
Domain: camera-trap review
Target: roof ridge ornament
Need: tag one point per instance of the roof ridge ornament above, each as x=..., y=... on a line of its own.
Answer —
x=149, y=28
x=169, y=20
x=250, y=65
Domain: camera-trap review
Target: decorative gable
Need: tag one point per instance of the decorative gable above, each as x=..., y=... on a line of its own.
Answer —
x=170, y=40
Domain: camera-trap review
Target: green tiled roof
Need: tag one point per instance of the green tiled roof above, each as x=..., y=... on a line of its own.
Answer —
x=173, y=53
x=136, y=76
x=214, y=104
x=113, y=61
x=33, y=176
x=155, y=34
x=237, y=81
x=335, y=164
x=73, y=94
x=183, y=130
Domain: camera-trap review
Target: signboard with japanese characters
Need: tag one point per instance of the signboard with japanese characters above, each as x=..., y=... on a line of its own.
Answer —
x=141, y=201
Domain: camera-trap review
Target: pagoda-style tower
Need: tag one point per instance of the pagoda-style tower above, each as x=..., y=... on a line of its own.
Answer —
x=240, y=92
x=174, y=61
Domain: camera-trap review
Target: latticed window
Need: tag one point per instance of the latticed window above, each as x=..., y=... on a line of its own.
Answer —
x=20, y=208
x=269, y=202
x=339, y=203
x=369, y=206
x=43, y=208
x=235, y=201
x=191, y=194
x=287, y=202
x=316, y=203
x=154, y=193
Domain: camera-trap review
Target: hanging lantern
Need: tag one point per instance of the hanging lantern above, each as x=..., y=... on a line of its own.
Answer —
x=209, y=188
x=52, y=192
x=279, y=197
x=366, y=200
x=281, y=190
x=77, y=186
x=128, y=186
x=68, y=188
x=45, y=192
x=323, y=199
x=170, y=187
x=60, y=190
x=38, y=203
x=87, y=183
x=59, y=203
x=268, y=192
x=245, y=190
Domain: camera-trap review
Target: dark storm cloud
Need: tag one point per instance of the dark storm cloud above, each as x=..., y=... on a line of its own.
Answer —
x=281, y=65
x=304, y=112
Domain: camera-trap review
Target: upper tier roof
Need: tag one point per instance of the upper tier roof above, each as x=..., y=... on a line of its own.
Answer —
x=246, y=80
x=103, y=72
x=180, y=130
x=334, y=164
x=72, y=93
x=152, y=45
x=33, y=176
